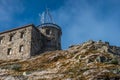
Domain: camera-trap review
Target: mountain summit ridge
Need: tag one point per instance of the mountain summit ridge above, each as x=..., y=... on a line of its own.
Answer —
x=92, y=60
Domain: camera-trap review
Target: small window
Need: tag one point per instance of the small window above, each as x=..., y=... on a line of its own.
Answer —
x=47, y=31
x=1, y=40
x=59, y=44
x=22, y=35
x=9, y=51
x=21, y=48
x=11, y=38
x=49, y=43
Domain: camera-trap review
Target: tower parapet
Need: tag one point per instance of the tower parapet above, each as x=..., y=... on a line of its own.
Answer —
x=51, y=32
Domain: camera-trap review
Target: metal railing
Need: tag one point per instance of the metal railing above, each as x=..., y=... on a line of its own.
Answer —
x=50, y=24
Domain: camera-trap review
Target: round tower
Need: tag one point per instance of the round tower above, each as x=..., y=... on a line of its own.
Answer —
x=51, y=33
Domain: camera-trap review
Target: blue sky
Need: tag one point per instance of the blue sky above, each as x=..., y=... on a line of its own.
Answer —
x=80, y=20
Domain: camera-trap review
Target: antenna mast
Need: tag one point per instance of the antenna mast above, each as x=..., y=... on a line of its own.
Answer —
x=46, y=17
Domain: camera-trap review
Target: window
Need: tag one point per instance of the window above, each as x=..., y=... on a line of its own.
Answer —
x=1, y=40
x=21, y=48
x=47, y=31
x=48, y=43
x=11, y=38
x=9, y=51
x=22, y=35
x=59, y=44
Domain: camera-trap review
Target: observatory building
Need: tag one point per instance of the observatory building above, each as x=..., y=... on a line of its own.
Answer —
x=30, y=40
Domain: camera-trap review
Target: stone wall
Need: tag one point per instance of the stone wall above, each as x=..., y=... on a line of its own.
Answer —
x=36, y=42
x=27, y=41
x=15, y=44
x=52, y=38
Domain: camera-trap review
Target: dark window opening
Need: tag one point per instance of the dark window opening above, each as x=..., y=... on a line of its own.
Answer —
x=9, y=51
x=11, y=38
x=47, y=31
x=59, y=44
x=21, y=48
x=1, y=40
x=48, y=43
x=22, y=35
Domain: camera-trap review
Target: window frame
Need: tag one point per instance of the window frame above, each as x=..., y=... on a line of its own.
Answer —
x=9, y=51
x=21, y=48
x=48, y=31
x=1, y=39
x=10, y=37
x=22, y=34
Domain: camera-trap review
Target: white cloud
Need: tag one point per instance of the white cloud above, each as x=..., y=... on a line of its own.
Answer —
x=82, y=20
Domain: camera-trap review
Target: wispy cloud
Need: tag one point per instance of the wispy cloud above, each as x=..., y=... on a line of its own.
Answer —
x=8, y=8
x=82, y=20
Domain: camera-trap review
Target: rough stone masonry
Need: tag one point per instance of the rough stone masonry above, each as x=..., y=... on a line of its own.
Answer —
x=27, y=41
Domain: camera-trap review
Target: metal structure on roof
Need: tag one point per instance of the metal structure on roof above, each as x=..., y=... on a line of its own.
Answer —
x=46, y=17
x=50, y=25
x=47, y=20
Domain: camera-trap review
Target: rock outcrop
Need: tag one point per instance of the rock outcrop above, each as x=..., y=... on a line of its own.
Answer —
x=88, y=61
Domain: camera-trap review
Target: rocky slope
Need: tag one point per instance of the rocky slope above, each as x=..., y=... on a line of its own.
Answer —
x=88, y=61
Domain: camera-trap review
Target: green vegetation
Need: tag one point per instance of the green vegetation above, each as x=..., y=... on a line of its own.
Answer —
x=114, y=61
x=15, y=67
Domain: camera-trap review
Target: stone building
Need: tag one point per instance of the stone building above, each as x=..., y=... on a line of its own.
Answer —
x=51, y=36
x=29, y=40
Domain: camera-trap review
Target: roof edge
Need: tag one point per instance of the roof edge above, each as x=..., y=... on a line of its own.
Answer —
x=18, y=28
